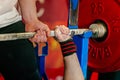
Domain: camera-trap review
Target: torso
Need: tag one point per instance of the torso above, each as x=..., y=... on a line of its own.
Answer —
x=8, y=12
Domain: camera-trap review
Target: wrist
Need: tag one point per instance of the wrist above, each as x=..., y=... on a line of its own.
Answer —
x=31, y=21
x=68, y=47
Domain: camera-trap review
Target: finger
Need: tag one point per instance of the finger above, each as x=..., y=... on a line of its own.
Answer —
x=58, y=33
x=46, y=29
x=33, y=39
x=64, y=29
x=41, y=35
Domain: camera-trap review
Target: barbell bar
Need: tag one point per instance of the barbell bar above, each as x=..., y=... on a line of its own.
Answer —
x=98, y=31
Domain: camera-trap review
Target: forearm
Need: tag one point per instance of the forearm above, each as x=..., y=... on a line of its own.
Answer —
x=72, y=68
x=28, y=10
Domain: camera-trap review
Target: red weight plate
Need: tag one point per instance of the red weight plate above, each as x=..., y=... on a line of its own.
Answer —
x=104, y=53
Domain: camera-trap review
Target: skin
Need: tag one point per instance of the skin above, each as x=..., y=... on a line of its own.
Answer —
x=32, y=23
x=71, y=63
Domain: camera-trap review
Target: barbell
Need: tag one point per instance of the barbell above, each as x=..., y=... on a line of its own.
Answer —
x=98, y=31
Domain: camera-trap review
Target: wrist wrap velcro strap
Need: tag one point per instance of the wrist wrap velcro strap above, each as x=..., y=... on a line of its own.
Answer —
x=68, y=47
